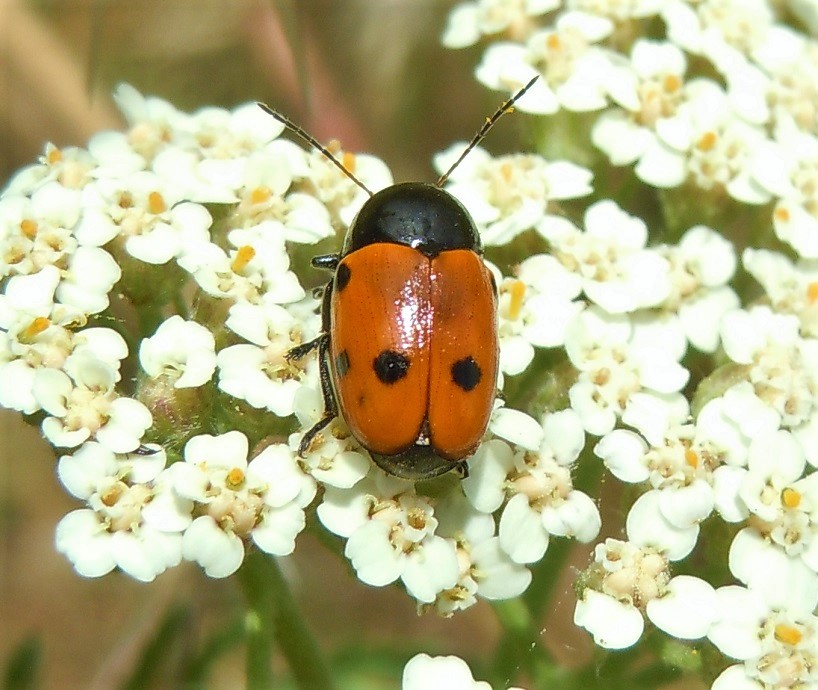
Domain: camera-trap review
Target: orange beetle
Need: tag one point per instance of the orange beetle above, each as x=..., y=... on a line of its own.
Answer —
x=409, y=348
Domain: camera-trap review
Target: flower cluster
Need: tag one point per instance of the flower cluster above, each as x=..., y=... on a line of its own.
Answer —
x=699, y=384
x=657, y=321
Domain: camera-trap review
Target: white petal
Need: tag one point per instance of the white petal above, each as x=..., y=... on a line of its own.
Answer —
x=687, y=609
x=522, y=535
x=614, y=624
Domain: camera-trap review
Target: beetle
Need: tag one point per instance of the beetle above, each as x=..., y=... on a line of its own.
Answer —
x=408, y=353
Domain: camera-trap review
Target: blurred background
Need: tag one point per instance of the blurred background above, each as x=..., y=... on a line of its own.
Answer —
x=369, y=73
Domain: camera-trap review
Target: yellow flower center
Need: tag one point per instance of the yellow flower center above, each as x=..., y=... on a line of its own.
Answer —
x=260, y=195
x=235, y=478
x=517, y=291
x=790, y=498
x=692, y=458
x=33, y=329
x=244, y=256
x=707, y=141
x=788, y=634
x=29, y=228
x=349, y=161
x=54, y=155
x=812, y=292
x=156, y=203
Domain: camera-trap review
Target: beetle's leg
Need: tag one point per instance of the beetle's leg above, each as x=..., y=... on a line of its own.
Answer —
x=326, y=261
x=461, y=469
x=330, y=407
x=302, y=350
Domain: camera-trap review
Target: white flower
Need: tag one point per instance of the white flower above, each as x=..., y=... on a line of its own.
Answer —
x=783, y=502
x=510, y=194
x=701, y=265
x=624, y=372
x=38, y=231
x=792, y=288
x=83, y=404
x=705, y=142
x=721, y=30
x=784, y=582
x=485, y=569
x=391, y=534
x=88, y=278
x=647, y=527
x=336, y=190
x=337, y=460
x=626, y=578
x=150, y=213
x=681, y=467
x=154, y=121
x=423, y=672
x=259, y=372
x=263, y=195
x=133, y=520
x=31, y=341
x=256, y=270
x=185, y=349
x=788, y=170
x=654, y=90
x=618, y=273
x=575, y=74
x=781, y=373
x=263, y=500
x=72, y=167
x=625, y=582
x=777, y=645
x=535, y=307
x=469, y=21
x=534, y=483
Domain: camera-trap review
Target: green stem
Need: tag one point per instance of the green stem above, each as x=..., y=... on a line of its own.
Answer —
x=522, y=649
x=259, y=621
x=273, y=612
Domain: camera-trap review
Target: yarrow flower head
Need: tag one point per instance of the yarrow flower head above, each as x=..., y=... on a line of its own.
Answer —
x=159, y=324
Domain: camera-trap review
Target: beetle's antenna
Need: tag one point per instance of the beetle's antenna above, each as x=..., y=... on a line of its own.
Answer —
x=506, y=107
x=312, y=141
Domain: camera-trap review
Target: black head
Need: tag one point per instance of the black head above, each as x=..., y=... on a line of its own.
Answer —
x=416, y=214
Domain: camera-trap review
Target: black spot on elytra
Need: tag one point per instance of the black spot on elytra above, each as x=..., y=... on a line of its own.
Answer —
x=466, y=373
x=390, y=366
x=342, y=362
x=342, y=276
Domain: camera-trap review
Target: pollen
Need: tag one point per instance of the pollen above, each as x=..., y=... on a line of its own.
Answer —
x=112, y=495
x=692, y=458
x=53, y=156
x=244, y=256
x=671, y=83
x=707, y=141
x=782, y=214
x=790, y=498
x=788, y=634
x=554, y=42
x=36, y=327
x=156, y=203
x=235, y=478
x=125, y=200
x=349, y=161
x=812, y=293
x=29, y=228
x=517, y=291
x=260, y=195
